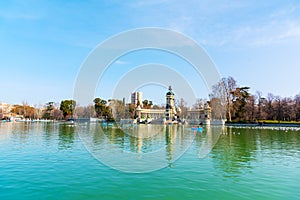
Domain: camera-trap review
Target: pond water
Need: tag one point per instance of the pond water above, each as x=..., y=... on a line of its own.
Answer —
x=91, y=161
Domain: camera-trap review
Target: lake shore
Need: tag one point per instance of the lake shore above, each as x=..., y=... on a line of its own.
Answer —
x=268, y=124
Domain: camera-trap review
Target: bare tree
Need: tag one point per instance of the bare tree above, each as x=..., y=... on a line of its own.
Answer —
x=250, y=109
x=269, y=107
x=199, y=103
x=85, y=111
x=218, y=111
x=297, y=107
x=130, y=111
x=224, y=90
x=259, y=99
x=182, y=104
x=277, y=108
x=117, y=108
x=287, y=110
x=56, y=114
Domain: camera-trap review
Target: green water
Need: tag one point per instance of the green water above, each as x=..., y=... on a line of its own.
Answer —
x=53, y=161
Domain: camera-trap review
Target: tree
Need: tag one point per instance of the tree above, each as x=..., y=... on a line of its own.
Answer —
x=155, y=106
x=199, y=103
x=102, y=110
x=117, y=108
x=277, y=106
x=131, y=110
x=250, y=109
x=145, y=103
x=56, y=114
x=269, y=107
x=287, y=110
x=240, y=105
x=49, y=107
x=217, y=110
x=260, y=99
x=182, y=105
x=100, y=107
x=297, y=107
x=67, y=107
x=240, y=97
x=84, y=111
x=150, y=104
x=264, y=114
x=224, y=91
x=25, y=110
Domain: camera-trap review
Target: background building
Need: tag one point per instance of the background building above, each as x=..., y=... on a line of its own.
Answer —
x=170, y=113
x=196, y=116
x=136, y=97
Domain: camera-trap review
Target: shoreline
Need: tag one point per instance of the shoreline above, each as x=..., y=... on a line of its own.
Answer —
x=266, y=124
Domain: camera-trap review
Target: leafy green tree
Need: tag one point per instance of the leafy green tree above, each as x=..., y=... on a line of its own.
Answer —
x=67, y=107
x=145, y=103
x=240, y=97
x=100, y=107
x=150, y=104
x=49, y=108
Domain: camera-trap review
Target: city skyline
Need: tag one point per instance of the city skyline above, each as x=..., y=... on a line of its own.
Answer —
x=43, y=44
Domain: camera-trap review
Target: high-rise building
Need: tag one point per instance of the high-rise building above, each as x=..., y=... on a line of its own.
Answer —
x=136, y=98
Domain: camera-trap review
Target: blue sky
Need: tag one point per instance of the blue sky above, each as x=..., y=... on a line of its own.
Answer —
x=44, y=43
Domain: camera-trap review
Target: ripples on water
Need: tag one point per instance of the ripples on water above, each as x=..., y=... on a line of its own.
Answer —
x=50, y=161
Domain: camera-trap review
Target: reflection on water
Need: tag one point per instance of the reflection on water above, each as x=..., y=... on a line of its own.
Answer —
x=234, y=151
x=26, y=133
x=66, y=136
x=208, y=139
x=239, y=149
x=49, y=135
x=46, y=160
x=144, y=148
x=151, y=147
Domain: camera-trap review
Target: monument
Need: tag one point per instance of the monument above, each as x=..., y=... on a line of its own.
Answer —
x=171, y=114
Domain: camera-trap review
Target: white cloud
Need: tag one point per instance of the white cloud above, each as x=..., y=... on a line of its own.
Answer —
x=146, y=3
x=292, y=31
x=285, y=11
x=181, y=24
x=24, y=16
x=275, y=32
x=120, y=62
x=276, y=27
x=21, y=10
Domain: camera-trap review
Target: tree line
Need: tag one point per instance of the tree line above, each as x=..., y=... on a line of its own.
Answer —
x=109, y=110
x=237, y=104
x=227, y=101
